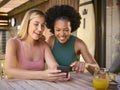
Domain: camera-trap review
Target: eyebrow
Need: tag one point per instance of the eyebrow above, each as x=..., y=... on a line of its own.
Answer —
x=39, y=22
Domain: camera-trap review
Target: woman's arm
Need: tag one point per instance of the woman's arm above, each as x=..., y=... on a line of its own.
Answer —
x=90, y=63
x=50, y=60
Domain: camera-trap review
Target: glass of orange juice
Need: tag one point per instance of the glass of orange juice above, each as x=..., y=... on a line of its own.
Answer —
x=101, y=79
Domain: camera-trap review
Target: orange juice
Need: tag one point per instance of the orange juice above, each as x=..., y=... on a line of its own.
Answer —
x=100, y=84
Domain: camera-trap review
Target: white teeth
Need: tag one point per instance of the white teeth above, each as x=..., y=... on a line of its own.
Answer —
x=62, y=38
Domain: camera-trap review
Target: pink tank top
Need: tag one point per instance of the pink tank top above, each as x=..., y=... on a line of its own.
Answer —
x=30, y=65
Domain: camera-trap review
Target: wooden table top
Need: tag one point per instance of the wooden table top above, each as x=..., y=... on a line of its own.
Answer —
x=77, y=82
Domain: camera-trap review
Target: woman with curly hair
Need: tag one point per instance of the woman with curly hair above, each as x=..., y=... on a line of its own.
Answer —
x=27, y=53
x=62, y=21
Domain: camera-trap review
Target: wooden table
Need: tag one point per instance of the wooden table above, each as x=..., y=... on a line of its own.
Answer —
x=77, y=82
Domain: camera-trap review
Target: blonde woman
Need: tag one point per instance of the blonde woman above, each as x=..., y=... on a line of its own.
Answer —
x=27, y=53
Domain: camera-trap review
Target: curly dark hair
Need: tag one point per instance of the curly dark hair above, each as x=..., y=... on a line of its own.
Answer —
x=64, y=12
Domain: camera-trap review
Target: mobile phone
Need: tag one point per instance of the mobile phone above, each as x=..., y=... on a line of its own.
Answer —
x=65, y=69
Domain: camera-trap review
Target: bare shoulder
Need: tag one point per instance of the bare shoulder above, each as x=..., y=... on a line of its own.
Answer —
x=43, y=44
x=12, y=45
x=12, y=42
x=51, y=40
x=79, y=43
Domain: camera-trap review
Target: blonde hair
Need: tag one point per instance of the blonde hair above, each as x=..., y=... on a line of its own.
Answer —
x=32, y=13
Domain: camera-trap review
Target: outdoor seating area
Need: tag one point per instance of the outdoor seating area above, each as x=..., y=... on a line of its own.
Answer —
x=95, y=42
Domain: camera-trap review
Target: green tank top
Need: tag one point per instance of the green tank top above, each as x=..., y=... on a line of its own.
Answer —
x=65, y=53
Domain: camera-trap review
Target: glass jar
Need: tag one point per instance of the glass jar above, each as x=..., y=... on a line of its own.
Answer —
x=101, y=79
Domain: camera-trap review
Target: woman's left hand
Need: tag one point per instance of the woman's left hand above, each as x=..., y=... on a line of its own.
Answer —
x=78, y=66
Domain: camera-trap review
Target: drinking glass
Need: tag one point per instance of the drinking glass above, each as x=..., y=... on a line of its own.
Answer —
x=101, y=79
